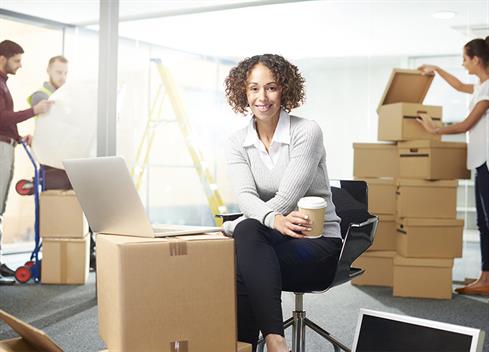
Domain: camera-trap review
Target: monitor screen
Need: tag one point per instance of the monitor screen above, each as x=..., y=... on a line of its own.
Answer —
x=379, y=331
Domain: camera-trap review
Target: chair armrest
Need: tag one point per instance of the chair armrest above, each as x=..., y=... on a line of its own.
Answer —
x=229, y=216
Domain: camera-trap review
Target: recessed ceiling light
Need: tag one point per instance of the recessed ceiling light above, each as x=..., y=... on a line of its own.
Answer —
x=444, y=15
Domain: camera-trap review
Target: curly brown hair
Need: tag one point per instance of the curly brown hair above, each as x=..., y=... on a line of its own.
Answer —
x=286, y=74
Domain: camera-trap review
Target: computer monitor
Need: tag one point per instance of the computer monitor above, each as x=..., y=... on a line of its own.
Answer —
x=387, y=332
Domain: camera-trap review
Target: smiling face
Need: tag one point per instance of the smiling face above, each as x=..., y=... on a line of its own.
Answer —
x=263, y=94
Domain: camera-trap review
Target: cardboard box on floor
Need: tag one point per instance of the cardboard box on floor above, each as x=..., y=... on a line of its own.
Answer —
x=401, y=105
x=433, y=160
x=65, y=260
x=30, y=339
x=157, y=293
x=60, y=215
x=240, y=347
x=385, y=237
x=375, y=160
x=426, y=199
x=378, y=266
x=423, y=278
x=429, y=238
x=381, y=195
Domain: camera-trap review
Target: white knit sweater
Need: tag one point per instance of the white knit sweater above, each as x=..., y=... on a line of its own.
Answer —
x=262, y=193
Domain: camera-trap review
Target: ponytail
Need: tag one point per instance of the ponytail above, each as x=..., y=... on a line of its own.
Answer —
x=480, y=48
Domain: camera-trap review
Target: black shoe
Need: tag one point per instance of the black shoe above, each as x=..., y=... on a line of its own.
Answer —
x=6, y=271
x=6, y=281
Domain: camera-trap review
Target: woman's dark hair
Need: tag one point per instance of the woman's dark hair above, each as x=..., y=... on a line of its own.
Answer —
x=480, y=48
x=9, y=48
x=286, y=75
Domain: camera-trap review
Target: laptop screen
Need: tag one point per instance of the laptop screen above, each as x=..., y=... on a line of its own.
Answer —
x=378, y=332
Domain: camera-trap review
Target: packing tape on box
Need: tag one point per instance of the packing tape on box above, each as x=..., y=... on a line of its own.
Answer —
x=177, y=247
x=179, y=346
x=63, y=261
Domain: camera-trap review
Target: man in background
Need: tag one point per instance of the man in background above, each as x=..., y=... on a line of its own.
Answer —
x=57, y=70
x=10, y=62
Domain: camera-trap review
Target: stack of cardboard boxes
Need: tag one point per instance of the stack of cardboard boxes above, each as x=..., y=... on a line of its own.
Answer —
x=167, y=294
x=65, y=240
x=412, y=184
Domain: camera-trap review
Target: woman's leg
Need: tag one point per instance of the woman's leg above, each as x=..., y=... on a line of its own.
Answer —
x=259, y=282
x=482, y=206
x=265, y=259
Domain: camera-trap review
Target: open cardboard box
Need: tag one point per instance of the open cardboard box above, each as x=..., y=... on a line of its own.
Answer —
x=30, y=339
x=401, y=105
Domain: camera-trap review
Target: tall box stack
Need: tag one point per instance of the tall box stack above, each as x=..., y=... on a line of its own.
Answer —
x=415, y=198
x=65, y=240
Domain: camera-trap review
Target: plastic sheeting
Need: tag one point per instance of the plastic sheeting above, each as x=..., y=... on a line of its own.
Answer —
x=68, y=130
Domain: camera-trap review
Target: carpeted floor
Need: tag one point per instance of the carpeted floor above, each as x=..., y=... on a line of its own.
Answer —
x=69, y=313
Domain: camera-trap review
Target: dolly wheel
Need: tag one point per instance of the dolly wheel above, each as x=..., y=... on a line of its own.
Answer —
x=24, y=187
x=23, y=274
x=29, y=264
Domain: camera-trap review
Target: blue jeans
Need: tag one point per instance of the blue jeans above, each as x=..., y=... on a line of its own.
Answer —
x=7, y=156
x=482, y=206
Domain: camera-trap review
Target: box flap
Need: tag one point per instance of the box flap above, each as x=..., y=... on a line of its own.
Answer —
x=406, y=86
x=425, y=262
x=426, y=183
x=389, y=181
x=35, y=337
x=379, y=254
x=62, y=239
x=373, y=145
x=429, y=222
x=426, y=143
x=128, y=240
x=386, y=217
x=58, y=192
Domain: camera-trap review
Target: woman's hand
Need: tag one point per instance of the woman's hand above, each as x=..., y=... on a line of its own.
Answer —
x=428, y=69
x=428, y=124
x=293, y=224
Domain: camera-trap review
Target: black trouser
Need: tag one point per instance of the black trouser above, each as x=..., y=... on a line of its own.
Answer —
x=269, y=262
x=482, y=206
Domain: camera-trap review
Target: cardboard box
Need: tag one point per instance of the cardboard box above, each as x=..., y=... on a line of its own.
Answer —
x=382, y=195
x=385, y=237
x=366, y=158
x=400, y=105
x=423, y=278
x=378, y=266
x=60, y=215
x=156, y=293
x=429, y=238
x=30, y=339
x=433, y=160
x=240, y=347
x=426, y=199
x=65, y=260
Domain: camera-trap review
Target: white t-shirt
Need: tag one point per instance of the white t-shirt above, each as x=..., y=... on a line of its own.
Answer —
x=478, y=147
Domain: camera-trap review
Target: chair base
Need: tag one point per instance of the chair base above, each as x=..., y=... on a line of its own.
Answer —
x=299, y=322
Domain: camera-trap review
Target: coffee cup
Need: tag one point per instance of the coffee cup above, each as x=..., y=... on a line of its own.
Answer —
x=314, y=208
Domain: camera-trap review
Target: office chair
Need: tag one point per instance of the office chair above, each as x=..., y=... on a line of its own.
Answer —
x=358, y=232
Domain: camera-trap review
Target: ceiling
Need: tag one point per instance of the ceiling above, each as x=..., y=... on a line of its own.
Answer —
x=296, y=29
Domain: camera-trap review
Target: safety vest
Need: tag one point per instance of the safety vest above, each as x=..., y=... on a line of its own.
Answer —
x=43, y=90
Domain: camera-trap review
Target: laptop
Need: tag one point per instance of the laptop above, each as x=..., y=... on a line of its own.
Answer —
x=387, y=332
x=111, y=203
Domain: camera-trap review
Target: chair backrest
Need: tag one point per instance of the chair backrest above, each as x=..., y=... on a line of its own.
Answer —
x=351, y=201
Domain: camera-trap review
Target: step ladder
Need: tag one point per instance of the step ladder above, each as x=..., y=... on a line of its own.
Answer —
x=167, y=90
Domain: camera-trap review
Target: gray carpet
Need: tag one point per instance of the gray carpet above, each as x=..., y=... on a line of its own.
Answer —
x=69, y=314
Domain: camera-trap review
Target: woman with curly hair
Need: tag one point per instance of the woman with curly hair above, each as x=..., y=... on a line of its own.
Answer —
x=276, y=160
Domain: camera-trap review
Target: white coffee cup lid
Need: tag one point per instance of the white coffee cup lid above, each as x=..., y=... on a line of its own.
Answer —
x=312, y=203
